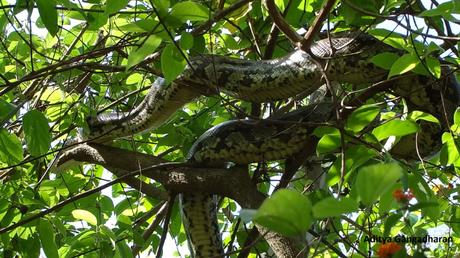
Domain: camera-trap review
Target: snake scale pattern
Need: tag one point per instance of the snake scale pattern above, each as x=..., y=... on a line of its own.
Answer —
x=344, y=59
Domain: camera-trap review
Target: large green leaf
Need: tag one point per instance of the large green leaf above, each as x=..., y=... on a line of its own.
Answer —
x=172, y=62
x=403, y=65
x=46, y=232
x=148, y=47
x=10, y=147
x=190, y=11
x=361, y=117
x=434, y=66
x=395, y=128
x=374, y=180
x=48, y=14
x=287, y=212
x=37, y=132
x=328, y=143
x=331, y=207
x=85, y=215
x=113, y=6
x=384, y=60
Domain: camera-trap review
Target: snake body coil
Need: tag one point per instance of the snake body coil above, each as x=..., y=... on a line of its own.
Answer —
x=343, y=60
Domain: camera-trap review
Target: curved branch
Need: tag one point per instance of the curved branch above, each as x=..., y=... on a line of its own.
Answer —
x=234, y=183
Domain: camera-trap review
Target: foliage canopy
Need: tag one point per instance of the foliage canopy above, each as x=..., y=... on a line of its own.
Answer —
x=64, y=60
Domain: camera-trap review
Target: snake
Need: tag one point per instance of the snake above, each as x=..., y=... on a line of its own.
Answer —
x=343, y=59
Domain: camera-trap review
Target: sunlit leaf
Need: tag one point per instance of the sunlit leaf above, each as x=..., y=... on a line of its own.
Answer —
x=457, y=116
x=434, y=66
x=395, y=128
x=404, y=64
x=85, y=215
x=328, y=143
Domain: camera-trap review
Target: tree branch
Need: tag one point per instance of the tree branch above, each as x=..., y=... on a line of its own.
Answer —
x=281, y=23
x=234, y=183
x=305, y=44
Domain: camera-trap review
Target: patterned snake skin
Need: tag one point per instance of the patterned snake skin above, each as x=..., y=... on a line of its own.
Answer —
x=246, y=141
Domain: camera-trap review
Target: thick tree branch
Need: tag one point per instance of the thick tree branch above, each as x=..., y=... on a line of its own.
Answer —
x=234, y=183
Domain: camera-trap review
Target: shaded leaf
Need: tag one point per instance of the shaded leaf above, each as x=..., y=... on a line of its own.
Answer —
x=48, y=14
x=10, y=147
x=374, y=180
x=172, y=62
x=46, y=232
x=186, y=41
x=384, y=60
x=113, y=6
x=190, y=11
x=331, y=207
x=149, y=46
x=37, y=134
x=361, y=117
x=287, y=212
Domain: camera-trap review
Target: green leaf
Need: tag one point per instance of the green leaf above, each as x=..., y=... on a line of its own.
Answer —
x=457, y=116
x=85, y=215
x=390, y=222
x=22, y=5
x=46, y=233
x=328, y=143
x=113, y=6
x=48, y=14
x=186, y=41
x=172, y=62
x=123, y=250
x=149, y=46
x=374, y=180
x=10, y=148
x=384, y=60
x=355, y=156
x=419, y=115
x=190, y=11
x=37, y=132
x=404, y=64
x=442, y=9
x=361, y=117
x=331, y=207
x=389, y=37
x=96, y=19
x=395, y=128
x=434, y=66
x=287, y=212
x=449, y=152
